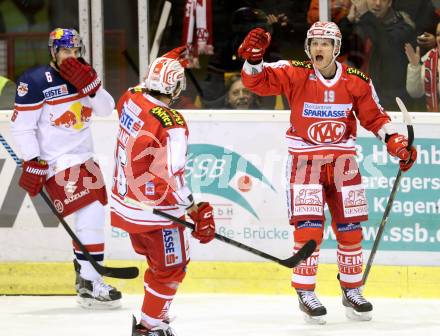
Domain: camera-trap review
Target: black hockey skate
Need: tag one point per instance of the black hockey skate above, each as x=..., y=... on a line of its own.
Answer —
x=356, y=306
x=313, y=309
x=95, y=294
x=161, y=330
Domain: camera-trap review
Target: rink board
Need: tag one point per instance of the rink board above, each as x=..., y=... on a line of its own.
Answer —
x=56, y=278
x=227, y=148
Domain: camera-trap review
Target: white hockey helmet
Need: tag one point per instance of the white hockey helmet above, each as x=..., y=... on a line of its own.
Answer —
x=167, y=76
x=324, y=29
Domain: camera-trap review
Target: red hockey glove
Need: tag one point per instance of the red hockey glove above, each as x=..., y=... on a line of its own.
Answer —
x=179, y=54
x=397, y=146
x=254, y=45
x=33, y=176
x=81, y=75
x=204, y=221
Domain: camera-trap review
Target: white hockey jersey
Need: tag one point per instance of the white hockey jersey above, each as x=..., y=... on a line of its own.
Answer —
x=51, y=119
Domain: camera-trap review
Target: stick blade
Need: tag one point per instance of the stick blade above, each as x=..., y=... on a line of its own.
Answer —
x=304, y=252
x=402, y=107
x=119, y=273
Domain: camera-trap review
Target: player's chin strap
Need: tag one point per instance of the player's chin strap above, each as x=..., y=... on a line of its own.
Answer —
x=409, y=126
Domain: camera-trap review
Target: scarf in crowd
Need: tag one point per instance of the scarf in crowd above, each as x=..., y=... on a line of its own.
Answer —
x=431, y=80
x=197, y=30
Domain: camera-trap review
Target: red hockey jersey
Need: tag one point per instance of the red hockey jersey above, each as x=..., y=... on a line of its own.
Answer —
x=150, y=162
x=323, y=112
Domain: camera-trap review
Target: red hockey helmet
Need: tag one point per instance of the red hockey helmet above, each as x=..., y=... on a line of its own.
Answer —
x=166, y=75
x=324, y=29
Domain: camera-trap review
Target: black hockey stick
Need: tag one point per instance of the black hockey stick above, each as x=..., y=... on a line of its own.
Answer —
x=112, y=272
x=409, y=126
x=291, y=262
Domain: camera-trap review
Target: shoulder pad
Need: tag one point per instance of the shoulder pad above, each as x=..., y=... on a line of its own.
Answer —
x=301, y=64
x=137, y=89
x=356, y=72
x=178, y=118
x=167, y=117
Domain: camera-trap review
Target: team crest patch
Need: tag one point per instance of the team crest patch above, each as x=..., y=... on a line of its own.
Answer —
x=22, y=89
x=58, y=206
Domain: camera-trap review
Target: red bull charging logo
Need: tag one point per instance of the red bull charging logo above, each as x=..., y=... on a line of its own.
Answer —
x=74, y=117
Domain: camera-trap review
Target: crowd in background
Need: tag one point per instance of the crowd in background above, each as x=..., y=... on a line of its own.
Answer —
x=394, y=41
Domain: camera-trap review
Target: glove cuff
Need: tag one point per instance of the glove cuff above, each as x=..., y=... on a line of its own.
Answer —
x=253, y=69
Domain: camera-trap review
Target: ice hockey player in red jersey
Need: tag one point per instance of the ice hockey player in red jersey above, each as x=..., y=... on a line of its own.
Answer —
x=325, y=97
x=149, y=173
x=51, y=126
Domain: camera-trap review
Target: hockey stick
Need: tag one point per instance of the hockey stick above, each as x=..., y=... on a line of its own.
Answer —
x=291, y=262
x=112, y=272
x=409, y=126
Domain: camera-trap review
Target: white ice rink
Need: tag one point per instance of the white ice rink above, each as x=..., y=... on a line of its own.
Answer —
x=216, y=315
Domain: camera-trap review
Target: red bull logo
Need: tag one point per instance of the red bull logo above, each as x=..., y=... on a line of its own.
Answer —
x=74, y=117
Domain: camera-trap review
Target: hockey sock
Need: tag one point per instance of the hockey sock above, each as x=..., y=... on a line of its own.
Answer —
x=157, y=301
x=89, y=227
x=304, y=275
x=350, y=263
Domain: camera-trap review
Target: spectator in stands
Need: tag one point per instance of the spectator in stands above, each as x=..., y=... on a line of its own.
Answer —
x=423, y=74
x=225, y=59
x=422, y=12
x=384, y=32
x=7, y=93
x=239, y=97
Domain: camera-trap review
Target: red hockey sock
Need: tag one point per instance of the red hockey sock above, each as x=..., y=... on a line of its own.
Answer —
x=350, y=263
x=304, y=275
x=157, y=301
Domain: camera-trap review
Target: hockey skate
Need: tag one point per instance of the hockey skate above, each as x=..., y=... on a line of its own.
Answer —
x=313, y=309
x=161, y=330
x=356, y=306
x=95, y=294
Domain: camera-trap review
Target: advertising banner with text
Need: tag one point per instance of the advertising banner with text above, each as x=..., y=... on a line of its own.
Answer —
x=239, y=166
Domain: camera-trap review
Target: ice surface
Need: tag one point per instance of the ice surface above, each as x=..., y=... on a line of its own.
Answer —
x=216, y=315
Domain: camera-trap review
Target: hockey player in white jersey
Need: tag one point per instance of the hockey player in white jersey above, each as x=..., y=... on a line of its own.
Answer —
x=51, y=126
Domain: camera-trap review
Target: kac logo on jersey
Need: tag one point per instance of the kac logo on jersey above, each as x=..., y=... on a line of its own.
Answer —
x=172, y=247
x=55, y=91
x=323, y=132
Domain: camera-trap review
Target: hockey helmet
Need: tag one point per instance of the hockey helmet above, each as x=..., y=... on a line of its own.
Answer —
x=64, y=38
x=167, y=76
x=324, y=29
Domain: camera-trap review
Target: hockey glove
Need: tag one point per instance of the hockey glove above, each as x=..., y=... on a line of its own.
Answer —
x=33, y=176
x=179, y=54
x=81, y=75
x=397, y=146
x=254, y=45
x=204, y=221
